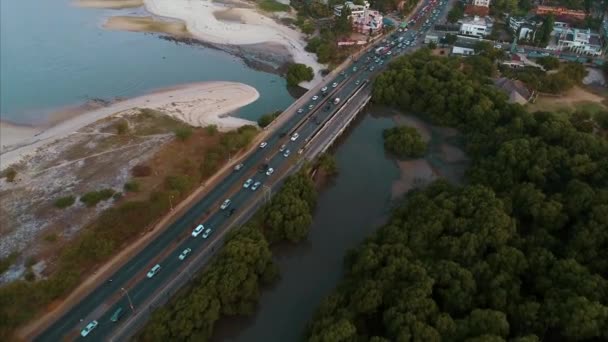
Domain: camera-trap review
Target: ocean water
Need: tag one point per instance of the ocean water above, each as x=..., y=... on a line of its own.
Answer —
x=54, y=55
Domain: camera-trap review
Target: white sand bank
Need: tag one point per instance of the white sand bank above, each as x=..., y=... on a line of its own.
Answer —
x=199, y=104
x=247, y=26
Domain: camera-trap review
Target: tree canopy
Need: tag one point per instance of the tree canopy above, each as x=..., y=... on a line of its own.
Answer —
x=298, y=72
x=519, y=254
x=404, y=141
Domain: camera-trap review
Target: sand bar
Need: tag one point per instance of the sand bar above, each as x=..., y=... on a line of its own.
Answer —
x=199, y=104
x=146, y=24
x=247, y=26
x=110, y=4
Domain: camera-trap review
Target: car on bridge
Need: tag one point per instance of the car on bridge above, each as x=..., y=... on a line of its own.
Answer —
x=152, y=272
x=247, y=183
x=184, y=253
x=116, y=315
x=315, y=98
x=263, y=144
x=270, y=171
x=324, y=89
x=295, y=136
x=226, y=204
x=207, y=232
x=335, y=84
x=238, y=167
x=87, y=330
x=197, y=231
x=310, y=107
x=286, y=154
x=301, y=110
x=255, y=186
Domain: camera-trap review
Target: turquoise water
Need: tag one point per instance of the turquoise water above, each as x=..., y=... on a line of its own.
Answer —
x=54, y=55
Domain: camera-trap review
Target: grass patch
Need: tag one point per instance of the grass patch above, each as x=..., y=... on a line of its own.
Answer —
x=51, y=238
x=5, y=263
x=131, y=186
x=64, y=202
x=273, y=6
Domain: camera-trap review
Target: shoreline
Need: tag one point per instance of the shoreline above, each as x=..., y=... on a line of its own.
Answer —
x=198, y=104
x=206, y=21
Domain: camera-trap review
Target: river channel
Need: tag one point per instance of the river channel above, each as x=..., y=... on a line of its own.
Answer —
x=349, y=208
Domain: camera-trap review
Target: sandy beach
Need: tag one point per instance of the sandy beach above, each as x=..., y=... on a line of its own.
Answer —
x=207, y=21
x=198, y=104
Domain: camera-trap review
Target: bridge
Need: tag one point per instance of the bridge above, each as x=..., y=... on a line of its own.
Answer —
x=307, y=128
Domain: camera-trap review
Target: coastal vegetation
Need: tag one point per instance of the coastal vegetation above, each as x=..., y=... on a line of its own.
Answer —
x=266, y=119
x=404, y=142
x=327, y=163
x=518, y=254
x=90, y=199
x=10, y=174
x=231, y=284
x=273, y=6
x=297, y=72
x=169, y=176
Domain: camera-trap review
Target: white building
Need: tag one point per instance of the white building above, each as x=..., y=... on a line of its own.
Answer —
x=483, y=3
x=477, y=27
x=355, y=10
x=515, y=23
x=579, y=41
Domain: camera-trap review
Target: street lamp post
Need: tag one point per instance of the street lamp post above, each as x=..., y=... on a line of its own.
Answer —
x=171, y=202
x=129, y=298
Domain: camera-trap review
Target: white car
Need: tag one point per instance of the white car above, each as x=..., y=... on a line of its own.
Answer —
x=238, y=167
x=324, y=89
x=301, y=110
x=263, y=144
x=357, y=82
x=295, y=137
x=286, y=154
x=87, y=330
x=315, y=98
x=255, y=186
x=226, y=204
x=282, y=148
x=247, y=183
x=269, y=171
x=184, y=253
x=152, y=272
x=335, y=84
x=207, y=233
x=197, y=231
x=311, y=107
x=389, y=53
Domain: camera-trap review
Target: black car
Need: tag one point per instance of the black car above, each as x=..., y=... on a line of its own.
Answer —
x=230, y=212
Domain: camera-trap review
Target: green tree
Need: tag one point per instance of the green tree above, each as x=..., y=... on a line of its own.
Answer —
x=183, y=133
x=404, y=141
x=297, y=73
x=266, y=119
x=544, y=33
x=548, y=62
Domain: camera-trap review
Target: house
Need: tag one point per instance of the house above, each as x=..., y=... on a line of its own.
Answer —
x=431, y=38
x=578, y=41
x=355, y=10
x=561, y=12
x=481, y=3
x=476, y=27
x=480, y=11
x=516, y=90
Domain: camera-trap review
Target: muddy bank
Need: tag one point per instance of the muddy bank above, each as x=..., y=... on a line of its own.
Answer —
x=146, y=24
x=268, y=57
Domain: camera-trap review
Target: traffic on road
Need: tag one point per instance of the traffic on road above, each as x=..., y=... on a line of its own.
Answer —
x=147, y=273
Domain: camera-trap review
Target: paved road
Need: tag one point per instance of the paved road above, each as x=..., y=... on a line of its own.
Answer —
x=131, y=279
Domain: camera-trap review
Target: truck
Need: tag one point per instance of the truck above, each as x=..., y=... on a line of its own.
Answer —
x=336, y=100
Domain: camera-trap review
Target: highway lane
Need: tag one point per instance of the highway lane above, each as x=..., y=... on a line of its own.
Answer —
x=175, y=238
x=145, y=259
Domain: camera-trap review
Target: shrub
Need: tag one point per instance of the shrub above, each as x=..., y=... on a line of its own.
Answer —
x=30, y=261
x=141, y=171
x=5, y=263
x=90, y=199
x=602, y=118
x=121, y=127
x=131, y=186
x=51, y=237
x=273, y=6
x=180, y=183
x=266, y=119
x=10, y=175
x=211, y=130
x=183, y=133
x=64, y=202
x=548, y=62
